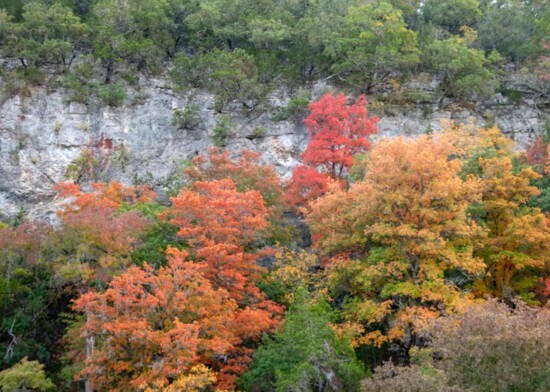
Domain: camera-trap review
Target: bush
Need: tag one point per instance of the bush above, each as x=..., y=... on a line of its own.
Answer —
x=297, y=108
x=495, y=348
x=188, y=118
x=221, y=131
x=112, y=94
x=26, y=374
x=31, y=75
x=189, y=73
x=80, y=83
x=490, y=348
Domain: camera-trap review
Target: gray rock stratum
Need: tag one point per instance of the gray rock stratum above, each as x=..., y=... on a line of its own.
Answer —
x=44, y=139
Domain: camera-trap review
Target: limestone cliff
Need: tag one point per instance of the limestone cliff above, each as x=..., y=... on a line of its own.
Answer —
x=44, y=139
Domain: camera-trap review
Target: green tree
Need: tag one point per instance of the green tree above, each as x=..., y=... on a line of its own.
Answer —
x=24, y=376
x=507, y=26
x=305, y=354
x=231, y=75
x=46, y=35
x=464, y=71
x=374, y=44
x=451, y=15
x=133, y=33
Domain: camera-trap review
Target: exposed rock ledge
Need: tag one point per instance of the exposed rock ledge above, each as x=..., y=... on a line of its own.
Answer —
x=41, y=135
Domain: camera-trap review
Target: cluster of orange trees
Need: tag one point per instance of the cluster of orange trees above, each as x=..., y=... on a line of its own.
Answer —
x=126, y=294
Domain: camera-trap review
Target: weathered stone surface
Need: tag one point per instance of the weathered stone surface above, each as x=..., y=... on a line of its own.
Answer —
x=41, y=135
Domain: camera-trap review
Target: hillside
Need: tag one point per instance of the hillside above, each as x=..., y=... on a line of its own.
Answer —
x=274, y=195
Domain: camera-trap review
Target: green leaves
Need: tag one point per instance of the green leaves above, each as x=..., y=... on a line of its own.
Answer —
x=305, y=354
x=26, y=374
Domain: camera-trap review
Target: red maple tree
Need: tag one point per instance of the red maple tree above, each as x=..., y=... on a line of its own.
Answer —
x=339, y=131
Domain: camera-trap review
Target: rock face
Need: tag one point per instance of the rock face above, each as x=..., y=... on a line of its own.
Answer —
x=45, y=140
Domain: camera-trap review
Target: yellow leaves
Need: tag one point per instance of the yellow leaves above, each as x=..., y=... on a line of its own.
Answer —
x=468, y=139
x=198, y=379
x=376, y=338
x=469, y=33
x=295, y=268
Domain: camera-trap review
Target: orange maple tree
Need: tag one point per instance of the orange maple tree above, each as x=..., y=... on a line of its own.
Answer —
x=156, y=326
x=222, y=226
x=394, y=235
x=246, y=172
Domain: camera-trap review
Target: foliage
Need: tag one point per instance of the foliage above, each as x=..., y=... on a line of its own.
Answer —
x=80, y=82
x=296, y=108
x=294, y=268
x=47, y=34
x=128, y=32
x=188, y=118
x=28, y=287
x=338, y=132
x=451, y=15
x=144, y=348
x=463, y=69
x=413, y=378
x=26, y=374
x=374, y=43
x=406, y=224
x=518, y=236
x=238, y=53
x=231, y=75
x=477, y=349
x=222, y=130
x=112, y=94
x=507, y=26
x=305, y=354
x=474, y=350
x=221, y=227
x=246, y=172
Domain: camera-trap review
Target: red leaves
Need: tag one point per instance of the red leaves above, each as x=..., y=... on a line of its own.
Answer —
x=338, y=132
x=306, y=184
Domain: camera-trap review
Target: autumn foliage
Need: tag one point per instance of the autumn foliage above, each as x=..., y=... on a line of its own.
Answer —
x=412, y=237
x=246, y=172
x=338, y=131
x=407, y=224
x=157, y=326
x=111, y=195
x=102, y=238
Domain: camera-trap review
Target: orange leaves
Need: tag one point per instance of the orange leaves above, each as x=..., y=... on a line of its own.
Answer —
x=215, y=212
x=403, y=226
x=220, y=224
x=111, y=195
x=246, y=172
x=98, y=236
x=157, y=325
